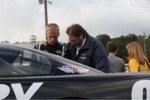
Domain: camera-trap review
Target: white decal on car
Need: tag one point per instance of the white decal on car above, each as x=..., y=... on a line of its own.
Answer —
x=4, y=91
x=137, y=90
x=18, y=90
x=73, y=69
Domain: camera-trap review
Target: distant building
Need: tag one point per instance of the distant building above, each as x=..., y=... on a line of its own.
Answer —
x=5, y=41
x=28, y=44
x=33, y=38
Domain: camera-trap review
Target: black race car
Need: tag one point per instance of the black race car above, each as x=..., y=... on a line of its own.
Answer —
x=33, y=74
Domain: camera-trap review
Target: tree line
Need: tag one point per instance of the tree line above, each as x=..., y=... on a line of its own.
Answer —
x=122, y=41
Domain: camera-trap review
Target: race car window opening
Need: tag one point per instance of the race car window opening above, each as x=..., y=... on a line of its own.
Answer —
x=9, y=55
x=33, y=63
x=6, y=69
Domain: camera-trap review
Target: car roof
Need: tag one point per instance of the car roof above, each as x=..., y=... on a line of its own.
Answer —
x=14, y=48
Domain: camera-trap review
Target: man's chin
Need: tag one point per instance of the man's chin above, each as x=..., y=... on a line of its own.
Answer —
x=52, y=43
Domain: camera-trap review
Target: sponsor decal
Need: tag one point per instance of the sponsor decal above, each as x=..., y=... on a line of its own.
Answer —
x=83, y=54
x=73, y=69
x=83, y=58
x=58, y=51
x=18, y=90
x=138, y=90
x=25, y=64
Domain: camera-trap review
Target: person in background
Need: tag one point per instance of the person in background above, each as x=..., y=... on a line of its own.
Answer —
x=85, y=49
x=51, y=45
x=137, y=60
x=117, y=64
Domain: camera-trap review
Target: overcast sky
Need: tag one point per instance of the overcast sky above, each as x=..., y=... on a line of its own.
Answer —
x=19, y=19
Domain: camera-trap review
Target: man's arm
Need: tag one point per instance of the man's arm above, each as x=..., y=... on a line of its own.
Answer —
x=100, y=58
x=67, y=51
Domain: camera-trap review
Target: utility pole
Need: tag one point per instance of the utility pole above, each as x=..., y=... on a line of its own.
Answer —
x=144, y=40
x=45, y=9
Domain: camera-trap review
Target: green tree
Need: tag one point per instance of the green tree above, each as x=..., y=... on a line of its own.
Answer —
x=64, y=44
x=122, y=41
x=104, y=38
x=147, y=42
x=148, y=47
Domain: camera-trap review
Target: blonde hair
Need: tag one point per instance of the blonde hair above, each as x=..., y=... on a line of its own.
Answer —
x=135, y=51
x=52, y=27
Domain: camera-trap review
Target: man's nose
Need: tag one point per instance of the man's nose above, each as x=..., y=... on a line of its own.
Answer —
x=52, y=39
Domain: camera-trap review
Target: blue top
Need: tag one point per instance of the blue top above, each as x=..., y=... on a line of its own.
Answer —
x=92, y=54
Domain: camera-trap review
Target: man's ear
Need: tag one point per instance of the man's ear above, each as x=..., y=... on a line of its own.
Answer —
x=81, y=36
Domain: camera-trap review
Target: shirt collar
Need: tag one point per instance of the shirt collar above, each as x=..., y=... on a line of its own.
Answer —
x=78, y=47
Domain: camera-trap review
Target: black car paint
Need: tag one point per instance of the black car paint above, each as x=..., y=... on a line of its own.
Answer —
x=116, y=86
x=92, y=85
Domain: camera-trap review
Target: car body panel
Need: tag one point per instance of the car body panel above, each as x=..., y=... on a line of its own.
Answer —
x=92, y=84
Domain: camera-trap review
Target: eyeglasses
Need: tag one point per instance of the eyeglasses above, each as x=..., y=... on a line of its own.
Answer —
x=73, y=40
